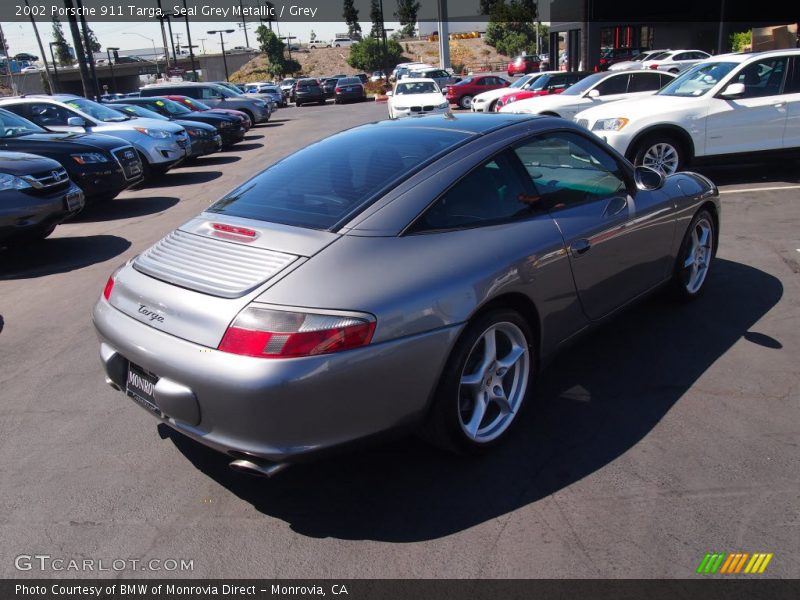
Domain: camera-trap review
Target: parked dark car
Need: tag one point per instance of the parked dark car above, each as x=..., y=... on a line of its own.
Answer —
x=308, y=91
x=204, y=138
x=228, y=127
x=213, y=95
x=36, y=194
x=363, y=77
x=611, y=56
x=329, y=85
x=101, y=165
x=349, y=89
x=198, y=106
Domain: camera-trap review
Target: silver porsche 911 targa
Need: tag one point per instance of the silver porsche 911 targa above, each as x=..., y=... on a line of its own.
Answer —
x=399, y=273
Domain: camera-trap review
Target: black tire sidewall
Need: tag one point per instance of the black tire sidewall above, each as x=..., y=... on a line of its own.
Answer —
x=443, y=425
x=462, y=99
x=678, y=285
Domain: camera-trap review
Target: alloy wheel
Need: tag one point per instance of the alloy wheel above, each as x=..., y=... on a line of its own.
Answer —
x=662, y=156
x=698, y=255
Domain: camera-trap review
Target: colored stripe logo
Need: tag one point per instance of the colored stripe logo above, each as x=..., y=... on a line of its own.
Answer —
x=732, y=563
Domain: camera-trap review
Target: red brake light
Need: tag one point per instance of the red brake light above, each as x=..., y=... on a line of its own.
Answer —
x=337, y=90
x=108, y=288
x=653, y=66
x=266, y=333
x=222, y=227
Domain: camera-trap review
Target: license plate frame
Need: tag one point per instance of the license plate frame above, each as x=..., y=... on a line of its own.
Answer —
x=139, y=386
x=73, y=201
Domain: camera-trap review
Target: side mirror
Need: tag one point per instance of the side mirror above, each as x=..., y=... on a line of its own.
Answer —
x=734, y=89
x=75, y=122
x=595, y=93
x=648, y=179
x=390, y=93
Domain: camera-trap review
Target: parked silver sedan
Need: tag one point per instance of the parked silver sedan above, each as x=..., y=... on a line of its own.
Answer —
x=418, y=271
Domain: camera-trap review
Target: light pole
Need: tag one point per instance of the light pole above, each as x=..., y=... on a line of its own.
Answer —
x=152, y=41
x=189, y=40
x=289, y=39
x=244, y=25
x=385, y=55
x=109, y=49
x=55, y=68
x=203, y=42
x=222, y=44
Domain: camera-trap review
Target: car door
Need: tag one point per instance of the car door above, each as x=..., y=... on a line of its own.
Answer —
x=618, y=238
x=754, y=120
x=791, y=130
x=211, y=96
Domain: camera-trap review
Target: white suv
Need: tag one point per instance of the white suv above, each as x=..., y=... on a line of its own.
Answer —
x=725, y=105
x=343, y=42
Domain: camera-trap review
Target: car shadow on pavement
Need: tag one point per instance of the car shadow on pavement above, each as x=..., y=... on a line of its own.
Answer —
x=213, y=161
x=786, y=171
x=241, y=146
x=181, y=178
x=124, y=208
x=594, y=403
x=59, y=255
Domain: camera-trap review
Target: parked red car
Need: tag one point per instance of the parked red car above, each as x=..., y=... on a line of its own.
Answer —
x=527, y=63
x=197, y=106
x=464, y=91
x=552, y=83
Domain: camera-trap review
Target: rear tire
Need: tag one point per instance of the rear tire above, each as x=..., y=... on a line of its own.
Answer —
x=695, y=257
x=465, y=102
x=484, y=384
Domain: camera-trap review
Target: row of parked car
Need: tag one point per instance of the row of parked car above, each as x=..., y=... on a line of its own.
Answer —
x=731, y=104
x=59, y=152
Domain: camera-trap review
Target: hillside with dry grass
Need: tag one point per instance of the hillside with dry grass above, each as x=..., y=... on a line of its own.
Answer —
x=474, y=53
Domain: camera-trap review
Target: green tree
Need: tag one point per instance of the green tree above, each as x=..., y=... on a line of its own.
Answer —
x=62, y=49
x=376, y=16
x=272, y=46
x=741, y=40
x=367, y=55
x=350, y=16
x=90, y=42
x=511, y=28
x=407, y=16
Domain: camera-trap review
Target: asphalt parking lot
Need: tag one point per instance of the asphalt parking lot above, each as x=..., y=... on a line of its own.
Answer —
x=671, y=432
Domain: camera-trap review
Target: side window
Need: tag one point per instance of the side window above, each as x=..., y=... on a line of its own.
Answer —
x=762, y=78
x=644, y=82
x=209, y=93
x=683, y=56
x=489, y=194
x=567, y=169
x=793, y=82
x=613, y=85
x=49, y=114
x=664, y=79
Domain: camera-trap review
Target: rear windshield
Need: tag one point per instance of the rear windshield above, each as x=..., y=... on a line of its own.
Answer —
x=349, y=81
x=327, y=181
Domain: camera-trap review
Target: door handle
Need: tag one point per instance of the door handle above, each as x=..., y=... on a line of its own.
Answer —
x=579, y=247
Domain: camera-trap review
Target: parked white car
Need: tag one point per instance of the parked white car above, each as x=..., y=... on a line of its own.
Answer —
x=342, y=42
x=726, y=105
x=598, y=88
x=485, y=101
x=675, y=61
x=637, y=61
x=416, y=96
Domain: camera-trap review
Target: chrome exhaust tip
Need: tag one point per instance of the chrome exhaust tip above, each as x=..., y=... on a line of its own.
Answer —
x=249, y=467
x=110, y=382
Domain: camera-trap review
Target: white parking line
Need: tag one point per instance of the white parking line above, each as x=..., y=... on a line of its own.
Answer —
x=764, y=189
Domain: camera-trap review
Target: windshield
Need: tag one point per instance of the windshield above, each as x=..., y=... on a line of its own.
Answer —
x=698, y=80
x=330, y=180
x=171, y=106
x=12, y=125
x=349, y=81
x=97, y=111
x=140, y=111
x=223, y=90
x=540, y=83
x=418, y=87
x=271, y=89
x=584, y=84
x=522, y=81
x=195, y=103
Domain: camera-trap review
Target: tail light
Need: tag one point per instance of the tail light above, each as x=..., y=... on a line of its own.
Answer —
x=337, y=90
x=653, y=66
x=267, y=333
x=109, y=287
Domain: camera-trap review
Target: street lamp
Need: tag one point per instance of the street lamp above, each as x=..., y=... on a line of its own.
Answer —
x=55, y=68
x=289, y=39
x=155, y=52
x=222, y=44
x=385, y=55
x=109, y=49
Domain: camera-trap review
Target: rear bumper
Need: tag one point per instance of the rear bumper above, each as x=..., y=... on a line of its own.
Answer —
x=276, y=409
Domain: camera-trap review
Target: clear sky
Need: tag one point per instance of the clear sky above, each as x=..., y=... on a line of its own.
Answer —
x=20, y=36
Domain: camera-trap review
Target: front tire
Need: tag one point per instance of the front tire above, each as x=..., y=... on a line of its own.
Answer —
x=662, y=152
x=695, y=257
x=484, y=384
x=465, y=102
